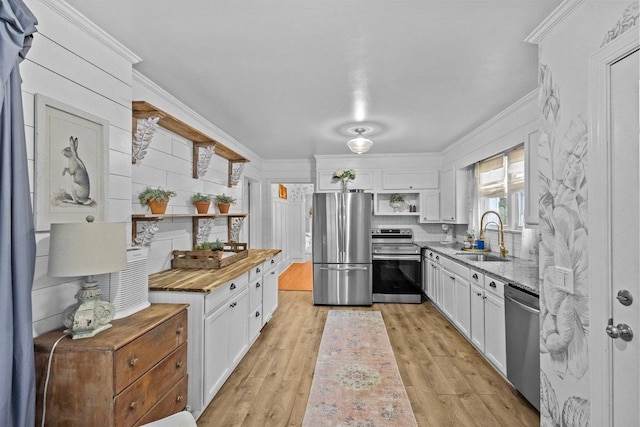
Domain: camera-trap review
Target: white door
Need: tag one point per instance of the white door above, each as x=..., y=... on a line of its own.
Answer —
x=614, y=222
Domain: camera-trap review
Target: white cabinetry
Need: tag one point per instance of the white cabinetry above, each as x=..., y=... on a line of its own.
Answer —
x=409, y=180
x=270, y=288
x=532, y=184
x=477, y=316
x=430, y=206
x=456, y=302
x=494, y=322
x=363, y=181
x=453, y=196
x=462, y=305
x=432, y=279
x=381, y=204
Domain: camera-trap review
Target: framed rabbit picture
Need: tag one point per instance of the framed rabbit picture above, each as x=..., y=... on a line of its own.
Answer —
x=71, y=159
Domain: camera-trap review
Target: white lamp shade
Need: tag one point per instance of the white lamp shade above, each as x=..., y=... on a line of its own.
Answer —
x=86, y=249
x=359, y=144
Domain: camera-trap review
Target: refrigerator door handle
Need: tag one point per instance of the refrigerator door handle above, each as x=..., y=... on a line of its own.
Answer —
x=343, y=268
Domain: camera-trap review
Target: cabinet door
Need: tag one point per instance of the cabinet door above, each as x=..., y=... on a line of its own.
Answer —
x=477, y=316
x=255, y=323
x=448, y=280
x=408, y=180
x=531, y=174
x=239, y=328
x=462, y=302
x=437, y=281
x=216, y=349
x=363, y=181
x=448, y=195
x=269, y=294
x=430, y=206
x=495, y=342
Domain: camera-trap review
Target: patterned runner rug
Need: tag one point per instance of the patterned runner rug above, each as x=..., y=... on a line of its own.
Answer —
x=356, y=381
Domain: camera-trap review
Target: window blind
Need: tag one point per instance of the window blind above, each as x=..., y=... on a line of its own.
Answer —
x=515, y=171
x=491, y=177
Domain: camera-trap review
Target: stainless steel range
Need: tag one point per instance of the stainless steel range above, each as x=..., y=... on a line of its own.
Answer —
x=396, y=266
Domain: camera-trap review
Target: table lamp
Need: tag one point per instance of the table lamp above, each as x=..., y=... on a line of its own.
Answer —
x=87, y=249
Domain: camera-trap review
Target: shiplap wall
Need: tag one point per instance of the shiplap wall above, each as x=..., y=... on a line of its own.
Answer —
x=77, y=64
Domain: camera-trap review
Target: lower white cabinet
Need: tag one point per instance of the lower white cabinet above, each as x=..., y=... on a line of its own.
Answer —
x=462, y=313
x=269, y=294
x=477, y=316
x=448, y=293
x=495, y=346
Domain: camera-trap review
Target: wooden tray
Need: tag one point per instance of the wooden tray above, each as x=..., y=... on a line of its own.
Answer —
x=233, y=252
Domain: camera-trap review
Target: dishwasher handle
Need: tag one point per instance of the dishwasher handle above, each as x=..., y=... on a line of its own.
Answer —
x=523, y=306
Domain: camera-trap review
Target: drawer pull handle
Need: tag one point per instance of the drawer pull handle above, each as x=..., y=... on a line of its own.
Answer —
x=233, y=286
x=273, y=261
x=257, y=270
x=133, y=362
x=233, y=304
x=475, y=275
x=179, y=330
x=437, y=256
x=492, y=284
x=133, y=405
x=179, y=398
x=179, y=363
x=257, y=314
x=257, y=285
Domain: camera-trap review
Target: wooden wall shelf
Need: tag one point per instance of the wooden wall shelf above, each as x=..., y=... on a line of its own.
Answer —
x=144, y=110
x=195, y=218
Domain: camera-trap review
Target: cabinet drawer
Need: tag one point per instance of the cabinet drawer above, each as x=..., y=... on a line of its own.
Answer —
x=137, y=357
x=255, y=293
x=459, y=269
x=256, y=272
x=494, y=286
x=476, y=278
x=224, y=292
x=172, y=402
x=145, y=392
x=273, y=262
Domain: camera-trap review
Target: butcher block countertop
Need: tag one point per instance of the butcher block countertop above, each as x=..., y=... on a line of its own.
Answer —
x=207, y=280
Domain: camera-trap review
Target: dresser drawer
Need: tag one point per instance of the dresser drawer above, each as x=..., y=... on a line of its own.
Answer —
x=172, y=402
x=224, y=292
x=476, y=278
x=142, y=395
x=255, y=293
x=256, y=272
x=137, y=357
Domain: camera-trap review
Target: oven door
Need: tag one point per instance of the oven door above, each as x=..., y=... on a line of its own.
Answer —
x=397, y=278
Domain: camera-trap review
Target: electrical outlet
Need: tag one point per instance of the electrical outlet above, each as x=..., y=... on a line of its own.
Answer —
x=564, y=279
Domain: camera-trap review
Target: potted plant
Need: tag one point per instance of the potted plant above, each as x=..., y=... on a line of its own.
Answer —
x=396, y=200
x=156, y=198
x=217, y=248
x=223, y=202
x=201, y=202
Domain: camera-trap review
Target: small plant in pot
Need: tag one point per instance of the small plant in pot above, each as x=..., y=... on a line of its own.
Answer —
x=201, y=202
x=217, y=248
x=223, y=202
x=156, y=198
x=396, y=200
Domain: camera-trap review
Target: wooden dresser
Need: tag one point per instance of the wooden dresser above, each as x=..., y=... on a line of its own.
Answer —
x=128, y=375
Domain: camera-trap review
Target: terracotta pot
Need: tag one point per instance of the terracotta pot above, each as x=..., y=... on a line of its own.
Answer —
x=158, y=207
x=224, y=207
x=217, y=255
x=202, y=207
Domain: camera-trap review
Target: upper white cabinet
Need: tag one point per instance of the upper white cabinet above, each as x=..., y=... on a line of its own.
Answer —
x=453, y=196
x=429, y=206
x=325, y=182
x=531, y=174
x=409, y=180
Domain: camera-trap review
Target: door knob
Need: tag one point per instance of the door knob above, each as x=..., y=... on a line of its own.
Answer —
x=622, y=331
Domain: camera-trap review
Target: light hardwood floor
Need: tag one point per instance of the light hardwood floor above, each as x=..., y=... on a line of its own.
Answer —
x=298, y=277
x=448, y=382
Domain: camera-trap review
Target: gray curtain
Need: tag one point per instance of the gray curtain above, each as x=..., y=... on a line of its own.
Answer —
x=17, y=236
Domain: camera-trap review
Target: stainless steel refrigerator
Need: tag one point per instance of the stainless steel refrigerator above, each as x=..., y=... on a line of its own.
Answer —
x=342, y=249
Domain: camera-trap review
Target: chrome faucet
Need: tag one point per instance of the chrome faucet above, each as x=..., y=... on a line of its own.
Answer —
x=503, y=249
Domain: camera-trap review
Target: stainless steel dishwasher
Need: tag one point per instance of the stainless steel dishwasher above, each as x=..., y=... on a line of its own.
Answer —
x=522, y=316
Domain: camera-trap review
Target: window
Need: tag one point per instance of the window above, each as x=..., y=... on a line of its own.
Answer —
x=501, y=186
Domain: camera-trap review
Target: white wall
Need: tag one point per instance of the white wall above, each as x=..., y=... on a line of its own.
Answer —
x=74, y=62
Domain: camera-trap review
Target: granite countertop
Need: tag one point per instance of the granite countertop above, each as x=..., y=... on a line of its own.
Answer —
x=521, y=273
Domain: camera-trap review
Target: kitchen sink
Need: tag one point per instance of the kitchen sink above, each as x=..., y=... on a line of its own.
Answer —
x=481, y=257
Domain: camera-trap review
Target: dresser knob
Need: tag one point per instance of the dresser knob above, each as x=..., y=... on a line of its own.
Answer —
x=133, y=362
x=179, y=398
x=179, y=330
x=179, y=364
x=133, y=405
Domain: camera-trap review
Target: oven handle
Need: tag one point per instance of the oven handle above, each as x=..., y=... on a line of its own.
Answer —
x=396, y=258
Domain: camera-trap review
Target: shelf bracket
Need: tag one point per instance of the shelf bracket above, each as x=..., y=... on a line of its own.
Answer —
x=143, y=131
x=202, y=155
x=235, y=172
x=147, y=232
x=234, y=225
x=201, y=230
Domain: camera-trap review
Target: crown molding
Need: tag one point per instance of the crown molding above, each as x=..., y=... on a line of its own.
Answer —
x=65, y=10
x=560, y=13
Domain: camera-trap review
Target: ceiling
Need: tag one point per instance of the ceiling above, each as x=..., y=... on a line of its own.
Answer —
x=290, y=79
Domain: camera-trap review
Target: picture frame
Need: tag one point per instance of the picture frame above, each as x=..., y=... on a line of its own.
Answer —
x=71, y=164
x=282, y=191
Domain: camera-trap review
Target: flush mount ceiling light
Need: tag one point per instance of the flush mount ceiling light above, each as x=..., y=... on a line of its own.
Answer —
x=359, y=144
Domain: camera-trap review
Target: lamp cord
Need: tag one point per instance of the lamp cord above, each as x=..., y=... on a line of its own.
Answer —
x=46, y=382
